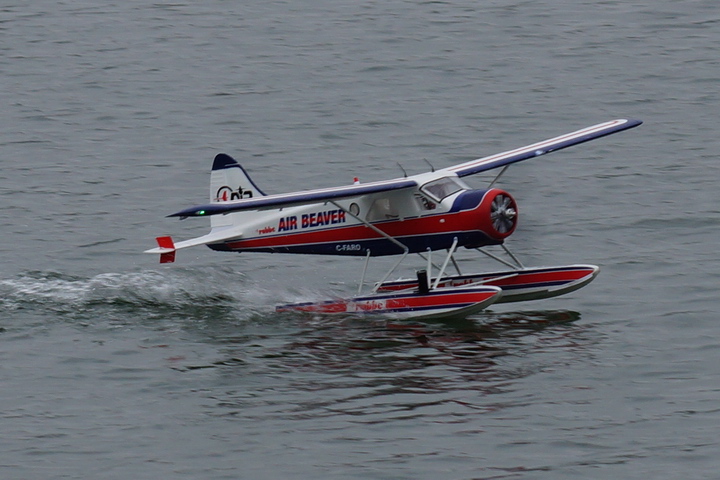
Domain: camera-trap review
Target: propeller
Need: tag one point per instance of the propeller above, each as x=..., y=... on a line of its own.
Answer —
x=503, y=213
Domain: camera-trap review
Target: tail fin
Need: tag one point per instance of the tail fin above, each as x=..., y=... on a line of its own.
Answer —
x=228, y=182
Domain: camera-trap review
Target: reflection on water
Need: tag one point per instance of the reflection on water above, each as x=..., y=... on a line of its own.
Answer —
x=376, y=369
x=340, y=345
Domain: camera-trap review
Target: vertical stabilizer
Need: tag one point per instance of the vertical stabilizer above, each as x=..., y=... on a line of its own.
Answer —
x=229, y=182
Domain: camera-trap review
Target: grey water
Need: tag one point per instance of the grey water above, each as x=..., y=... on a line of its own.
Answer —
x=113, y=366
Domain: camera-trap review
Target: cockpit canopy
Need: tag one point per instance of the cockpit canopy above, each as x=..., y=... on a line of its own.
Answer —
x=443, y=187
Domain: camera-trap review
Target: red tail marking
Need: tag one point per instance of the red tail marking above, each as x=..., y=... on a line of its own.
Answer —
x=167, y=257
x=166, y=242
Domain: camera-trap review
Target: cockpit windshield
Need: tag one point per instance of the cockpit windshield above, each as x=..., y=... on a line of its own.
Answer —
x=442, y=187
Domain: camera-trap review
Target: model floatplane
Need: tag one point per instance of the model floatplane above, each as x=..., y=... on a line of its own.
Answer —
x=424, y=213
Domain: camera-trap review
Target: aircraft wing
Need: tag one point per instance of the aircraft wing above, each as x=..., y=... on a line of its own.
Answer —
x=461, y=170
x=295, y=198
x=541, y=148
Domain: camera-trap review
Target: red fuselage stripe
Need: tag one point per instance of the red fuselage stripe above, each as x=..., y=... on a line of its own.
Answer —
x=464, y=221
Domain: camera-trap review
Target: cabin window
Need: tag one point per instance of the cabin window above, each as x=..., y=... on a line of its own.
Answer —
x=424, y=202
x=441, y=188
x=382, y=209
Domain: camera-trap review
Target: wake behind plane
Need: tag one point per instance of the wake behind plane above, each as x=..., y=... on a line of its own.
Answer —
x=421, y=214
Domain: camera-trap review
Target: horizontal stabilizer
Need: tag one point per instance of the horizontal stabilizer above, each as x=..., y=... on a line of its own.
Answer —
x=167, y=248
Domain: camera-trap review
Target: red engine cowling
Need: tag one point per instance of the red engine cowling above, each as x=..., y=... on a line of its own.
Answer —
x=499, y=214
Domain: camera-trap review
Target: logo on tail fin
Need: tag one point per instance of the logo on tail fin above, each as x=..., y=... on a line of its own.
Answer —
x=225, y=194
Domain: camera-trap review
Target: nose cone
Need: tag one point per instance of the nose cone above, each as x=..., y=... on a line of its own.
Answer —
x=499, y=214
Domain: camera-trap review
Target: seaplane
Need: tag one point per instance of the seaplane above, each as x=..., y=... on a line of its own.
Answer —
x=434, y=211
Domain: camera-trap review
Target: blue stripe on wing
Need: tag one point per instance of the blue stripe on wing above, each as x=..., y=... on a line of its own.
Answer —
x=296, y=198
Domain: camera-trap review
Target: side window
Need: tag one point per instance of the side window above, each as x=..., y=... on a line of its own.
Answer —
x=424, y=202
x=382, y=209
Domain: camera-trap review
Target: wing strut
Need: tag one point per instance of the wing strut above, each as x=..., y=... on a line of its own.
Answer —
x=405, y=249
x=497, y=177
x=445, y=264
